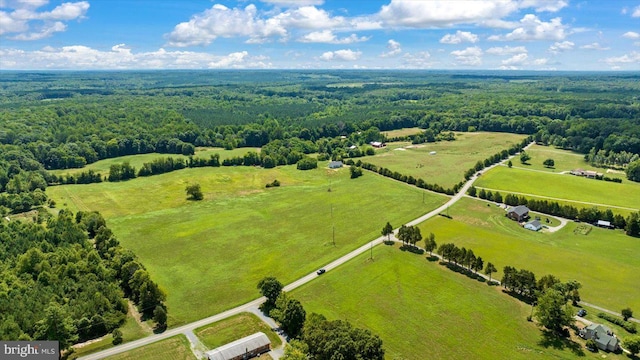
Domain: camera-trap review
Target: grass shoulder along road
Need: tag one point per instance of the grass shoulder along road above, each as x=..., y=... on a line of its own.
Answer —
x=234, y=328
x=209, y=255
x=604, y=261
x=173, y=348
x=455, y=156
x=422, y=310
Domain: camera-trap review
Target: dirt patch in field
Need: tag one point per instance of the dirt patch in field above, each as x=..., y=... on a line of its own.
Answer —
x=611, y=171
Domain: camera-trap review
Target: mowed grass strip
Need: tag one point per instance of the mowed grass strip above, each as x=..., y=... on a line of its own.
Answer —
x=209, y=255
x=562, y=186
x=234, y=328
x=422, y=310
x=102, y=166
x=173, y=348
x=452, y=158
x=604, y=261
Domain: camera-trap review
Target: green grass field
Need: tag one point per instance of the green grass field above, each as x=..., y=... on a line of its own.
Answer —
x=422, y=310
x=209, y=255
x=173, y=348
x=562, y=186
x=402, y=132
x=455, y=156
x=234, y=328
x=136, y=161
x=604, y=261
x=565, y=160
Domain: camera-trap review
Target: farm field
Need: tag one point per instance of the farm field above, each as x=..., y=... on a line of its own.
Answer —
x=234, y=328
x=604, y=261
x=436, y=313
x=209, y=255
x=562, y=186
x=456, y=156
x=102, y=166
x=402, y=132
x=565, y=160
x=174, y=348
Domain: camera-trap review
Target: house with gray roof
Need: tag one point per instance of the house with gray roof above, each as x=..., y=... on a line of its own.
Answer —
x=335, y=164
x=534, y=225
x=602, y=335
x=519, y=213
x=245, y=348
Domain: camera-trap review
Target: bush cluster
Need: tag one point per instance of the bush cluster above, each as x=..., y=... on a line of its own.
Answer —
x=629, y=326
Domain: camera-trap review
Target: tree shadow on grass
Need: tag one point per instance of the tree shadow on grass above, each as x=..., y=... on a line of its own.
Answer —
x=551, y=339
x=525, y=299
x=432, y=258
x=412, y=249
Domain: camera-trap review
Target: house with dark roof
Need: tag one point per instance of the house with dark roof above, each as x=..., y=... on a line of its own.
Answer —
x=519, y=213
x=245, y=348
x=534, y=225
x=602, y=335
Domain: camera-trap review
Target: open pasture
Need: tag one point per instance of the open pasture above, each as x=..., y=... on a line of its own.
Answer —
x=173, y=348
x=102, y=166
x=234, y=328
x=604, y=261
x=565, y=160
x=563, y=186
x=402, y=132
x=209, y=255
x=422, y=310
x=452, y=158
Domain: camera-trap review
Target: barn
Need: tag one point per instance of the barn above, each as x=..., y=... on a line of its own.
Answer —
x=245, y=348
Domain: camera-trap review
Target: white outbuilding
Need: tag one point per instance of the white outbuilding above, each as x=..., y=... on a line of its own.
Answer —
x=245, y=348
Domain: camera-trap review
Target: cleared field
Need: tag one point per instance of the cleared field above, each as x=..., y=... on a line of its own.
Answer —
x=565, y=160
x=234, y=328
x=604, y=261
x=173, y=348
x=136, y=161
x=422, y=310
x=562, y=186
x=209, y=255
x=455, y=156
x=402, y=132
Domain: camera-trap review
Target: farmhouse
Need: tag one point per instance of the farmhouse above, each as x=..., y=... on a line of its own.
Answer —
x=602, y=335
x=586, y=173
x=377, y=144
x=534, y=225
x=518, y=213
x=245, y=348
x=335, y=164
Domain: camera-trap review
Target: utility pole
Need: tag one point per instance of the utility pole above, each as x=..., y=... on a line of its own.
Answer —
x=334, y=235
x=371, y=247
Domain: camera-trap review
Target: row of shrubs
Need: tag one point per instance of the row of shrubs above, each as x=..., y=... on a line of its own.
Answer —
x=629, y=326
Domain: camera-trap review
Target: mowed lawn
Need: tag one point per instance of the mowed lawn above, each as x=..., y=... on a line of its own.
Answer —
x=234, y=328
x=452, y=158
x=604, y=261
x=173, y=348
x=209, y=255
x=102, y=166
x=563, y=186
x=422, y=310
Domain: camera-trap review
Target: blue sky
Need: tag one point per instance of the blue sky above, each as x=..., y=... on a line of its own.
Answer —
x=320, y=34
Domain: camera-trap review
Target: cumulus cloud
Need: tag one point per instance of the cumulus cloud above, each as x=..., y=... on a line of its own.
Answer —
x=636, y=12
x=544, y=5
x=540, y=61
x=631, y=35
x=506, y=50
x=561, y=46
x=516, y=60
x=121, y=57
x=26, y=23
x=470, y=56
x=532, y=28
x=327, y=36
x=459, y=37
x=341, y=55
x=420, y=60
x=594, y=46
x=631, y=58
x=393, y=48
x=294, y=3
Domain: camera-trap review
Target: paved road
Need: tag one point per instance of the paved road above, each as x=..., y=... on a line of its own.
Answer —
x=607, y=311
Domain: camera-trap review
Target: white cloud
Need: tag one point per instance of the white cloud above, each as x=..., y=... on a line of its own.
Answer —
x=544, y=5
x=419, y=60
x=516, y=60
x=532, y=28
x=561, y=46
x=631, y=35
x=25, y=22
x=636, y=12
x=469, y=56
x=121, y=57
x=327, y=36
x=631, y=58
x=506, y=50
x=394, y=48
x=294, y=3
x=459, y=37
x=341, y=55
x=540, y=61
x=594, y=46
x=440, y=13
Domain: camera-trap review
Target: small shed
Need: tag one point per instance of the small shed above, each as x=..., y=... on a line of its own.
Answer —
x=605, y=224
x=534, y=225
x=377, y=144
x=335, y=164
x=245, y=348
x=432, y=153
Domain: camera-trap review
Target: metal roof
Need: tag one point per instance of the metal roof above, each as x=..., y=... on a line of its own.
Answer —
x=239, y=347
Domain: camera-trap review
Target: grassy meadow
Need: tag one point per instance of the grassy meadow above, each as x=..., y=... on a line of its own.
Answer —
x=563, y=186
x=455, y=156
x=565, y=160
x=402, y=132
x=209, y=255
x=102, y=166
x=173, y=348
x=234, y=328
x=604, y=261
x=422, y=310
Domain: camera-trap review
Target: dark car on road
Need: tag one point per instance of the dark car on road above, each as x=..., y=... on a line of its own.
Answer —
x=321, y=271
x=582, y=312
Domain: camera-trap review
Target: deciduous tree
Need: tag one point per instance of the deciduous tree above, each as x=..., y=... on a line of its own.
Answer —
x=553, y=311
x=194, y=192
